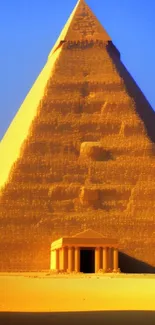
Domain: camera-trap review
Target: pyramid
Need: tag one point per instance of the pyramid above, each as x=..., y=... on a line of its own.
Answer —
x=79, y=154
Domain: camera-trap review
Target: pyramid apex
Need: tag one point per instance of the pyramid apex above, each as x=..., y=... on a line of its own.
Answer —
x=82, y=25
x=81, y=1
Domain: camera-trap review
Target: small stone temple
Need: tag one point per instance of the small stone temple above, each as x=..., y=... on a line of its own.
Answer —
x=87, y=252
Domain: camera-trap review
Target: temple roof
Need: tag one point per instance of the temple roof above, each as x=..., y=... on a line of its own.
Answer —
x=87, y=238
x=89, y=233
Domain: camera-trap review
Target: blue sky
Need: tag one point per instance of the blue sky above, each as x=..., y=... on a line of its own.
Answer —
x=29, y=28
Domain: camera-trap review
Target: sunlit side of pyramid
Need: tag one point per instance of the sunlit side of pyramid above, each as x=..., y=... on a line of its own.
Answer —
x=79, y=153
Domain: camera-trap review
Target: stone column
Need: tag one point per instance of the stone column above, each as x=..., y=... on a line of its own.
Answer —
x=115, y=260
x=97, y=259
x=105, y=259
x=77, y=259
x=64, y=258
x=57, y=260
x=110, y=259
x=70, y=259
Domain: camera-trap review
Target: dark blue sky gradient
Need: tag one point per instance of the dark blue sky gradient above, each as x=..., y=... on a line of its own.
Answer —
x=29, y=28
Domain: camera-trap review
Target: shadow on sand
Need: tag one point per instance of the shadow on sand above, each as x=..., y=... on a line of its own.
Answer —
x=129, y=264
x=77, y=318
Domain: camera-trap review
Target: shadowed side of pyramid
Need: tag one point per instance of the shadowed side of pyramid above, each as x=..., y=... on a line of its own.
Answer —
x=143, y=108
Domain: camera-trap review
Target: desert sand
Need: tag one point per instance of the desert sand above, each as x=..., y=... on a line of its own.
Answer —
x=72, y=299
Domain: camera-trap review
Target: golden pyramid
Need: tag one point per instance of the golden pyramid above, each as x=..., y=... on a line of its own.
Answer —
x=79, y=154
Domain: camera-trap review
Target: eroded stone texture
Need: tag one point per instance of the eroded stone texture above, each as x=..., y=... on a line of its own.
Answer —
x=89, y=196
x=94, y=151
x=49, y=187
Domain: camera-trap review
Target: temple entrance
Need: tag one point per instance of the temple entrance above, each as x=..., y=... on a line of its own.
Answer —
x=87, y=260
x=86, y=252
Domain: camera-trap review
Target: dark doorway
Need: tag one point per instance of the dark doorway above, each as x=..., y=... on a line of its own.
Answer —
x=87, y=260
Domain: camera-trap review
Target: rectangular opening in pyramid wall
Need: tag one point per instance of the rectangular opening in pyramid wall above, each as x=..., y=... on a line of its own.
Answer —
x=81, y=154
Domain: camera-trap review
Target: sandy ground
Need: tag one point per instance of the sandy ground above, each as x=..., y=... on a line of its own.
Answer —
x=83, y=297
x=41, y=293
